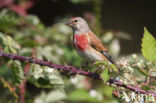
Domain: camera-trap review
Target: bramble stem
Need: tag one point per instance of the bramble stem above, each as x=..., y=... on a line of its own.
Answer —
x=73, y=70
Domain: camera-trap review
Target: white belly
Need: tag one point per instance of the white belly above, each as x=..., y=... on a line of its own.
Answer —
x=90, y=55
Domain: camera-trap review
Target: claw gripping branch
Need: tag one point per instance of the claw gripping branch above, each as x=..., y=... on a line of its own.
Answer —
x=73, y=70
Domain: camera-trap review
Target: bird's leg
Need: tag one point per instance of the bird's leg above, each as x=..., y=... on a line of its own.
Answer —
x=93, y=63
x=85, y=65
x=98, y=67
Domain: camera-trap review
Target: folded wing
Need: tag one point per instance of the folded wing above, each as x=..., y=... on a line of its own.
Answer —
x=97, y=45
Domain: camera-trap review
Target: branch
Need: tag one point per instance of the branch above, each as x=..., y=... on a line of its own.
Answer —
x=74, y=70
x=22, y=87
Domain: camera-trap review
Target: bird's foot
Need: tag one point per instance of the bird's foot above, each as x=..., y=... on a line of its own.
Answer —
x=85, y=65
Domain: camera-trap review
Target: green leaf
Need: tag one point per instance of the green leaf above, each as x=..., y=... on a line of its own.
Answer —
x=145, y=87
x=80, y=95
x=143, y=71
x=46, y=77
x=11, y=89
x=113, y=66
x=17, y=70
x=59, y=95
x=52, y=97
x=105, y=62
x=105, y=75
x=12, y=43
x=148, y=46
x=9, y=44
x=7, y=21
x=107, y=90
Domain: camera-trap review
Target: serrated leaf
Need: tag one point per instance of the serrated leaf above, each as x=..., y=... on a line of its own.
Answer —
x=13, y=43
x=9, y=45
x=7, y=21
x=104, y=62
x=6, y=50
x=17, y=70
x=11, y=89
x=105, y=75
x=148, y=46
x=113, y=66
x=2, y=40
x=46, y=77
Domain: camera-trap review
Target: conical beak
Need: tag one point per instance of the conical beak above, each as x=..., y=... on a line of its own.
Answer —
x=68, y=23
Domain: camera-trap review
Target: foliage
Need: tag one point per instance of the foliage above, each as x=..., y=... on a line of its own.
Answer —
x=105, y=75
x=28, y=36
x=7, y=21
x=47, y=98
x=18, y=73
x=149, y=46
x=11, y=89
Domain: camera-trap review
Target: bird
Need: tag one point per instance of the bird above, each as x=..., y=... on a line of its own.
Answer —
x=86, y=43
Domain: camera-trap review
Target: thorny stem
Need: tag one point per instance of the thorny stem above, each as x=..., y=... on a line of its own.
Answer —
x=74, y=70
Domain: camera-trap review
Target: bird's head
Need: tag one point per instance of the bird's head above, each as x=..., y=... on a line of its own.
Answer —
x=78, y=24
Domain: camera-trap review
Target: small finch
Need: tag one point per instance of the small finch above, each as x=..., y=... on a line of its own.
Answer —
x=86, y=43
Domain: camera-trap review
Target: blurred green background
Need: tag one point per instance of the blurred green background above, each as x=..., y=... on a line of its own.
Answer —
x=129, y=16
x=35, y=28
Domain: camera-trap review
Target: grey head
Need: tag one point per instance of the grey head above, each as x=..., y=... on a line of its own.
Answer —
x=78, y=24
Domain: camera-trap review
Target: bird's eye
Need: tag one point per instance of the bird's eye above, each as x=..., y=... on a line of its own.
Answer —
x=75, y=20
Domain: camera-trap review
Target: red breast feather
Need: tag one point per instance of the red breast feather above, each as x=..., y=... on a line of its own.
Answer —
x=81, y=41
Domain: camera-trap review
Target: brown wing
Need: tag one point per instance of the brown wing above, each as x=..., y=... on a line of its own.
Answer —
x=97, y=45
x=95, y=42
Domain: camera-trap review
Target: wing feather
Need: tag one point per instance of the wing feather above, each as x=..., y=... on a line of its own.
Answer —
x=108, y=56
x=97, y=45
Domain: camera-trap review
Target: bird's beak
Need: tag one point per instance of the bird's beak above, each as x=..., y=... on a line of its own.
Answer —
x=68, y=23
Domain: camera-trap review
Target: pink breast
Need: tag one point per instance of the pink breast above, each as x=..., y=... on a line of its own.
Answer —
x=81, y=41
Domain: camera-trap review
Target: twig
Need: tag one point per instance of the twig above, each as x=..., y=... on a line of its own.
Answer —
x=74, y=70
x=22, y=87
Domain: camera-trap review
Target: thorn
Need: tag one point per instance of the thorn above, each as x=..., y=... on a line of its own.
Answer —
x=73, y=76
x=34, y=53
x=70, y=73
x=29, y=59
x=80, y=68
x=65, y=64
